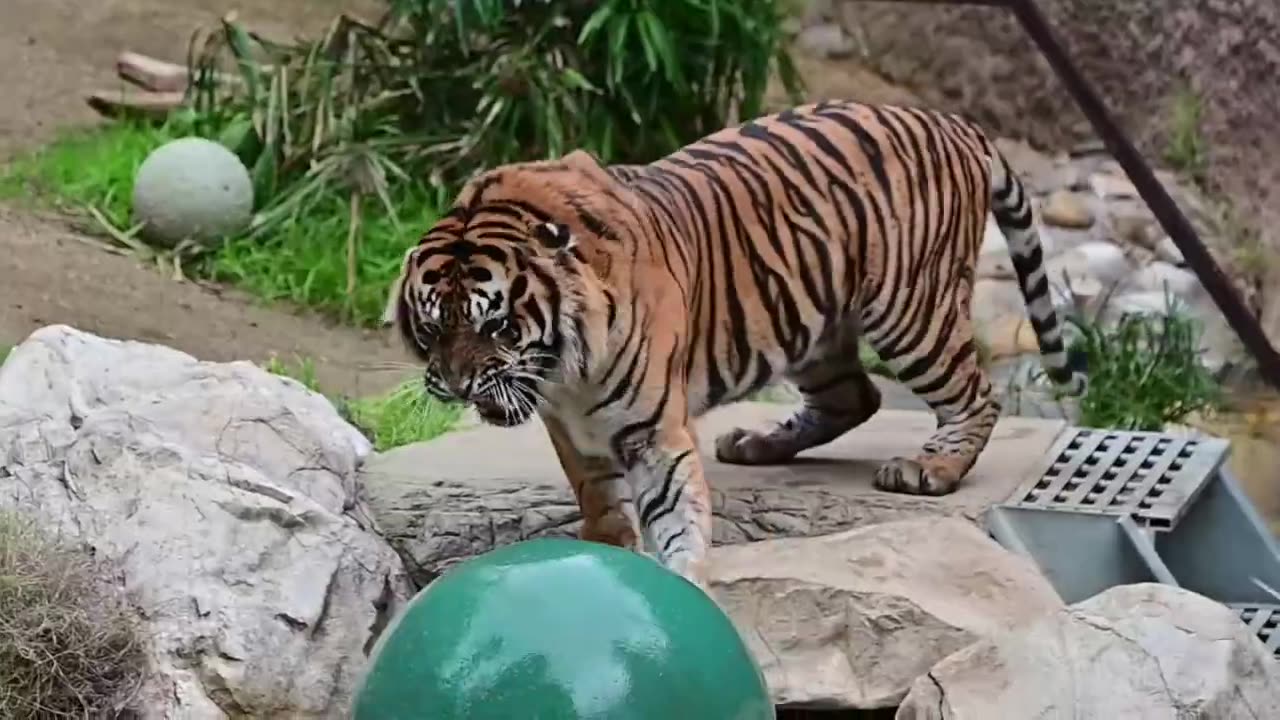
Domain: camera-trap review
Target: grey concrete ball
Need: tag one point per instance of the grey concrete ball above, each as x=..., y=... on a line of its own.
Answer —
x=191, y=188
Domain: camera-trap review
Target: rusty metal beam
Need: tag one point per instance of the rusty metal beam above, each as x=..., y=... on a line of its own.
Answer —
x=1166, y=211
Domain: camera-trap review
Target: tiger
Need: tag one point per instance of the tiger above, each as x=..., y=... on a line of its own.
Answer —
x=769, y=249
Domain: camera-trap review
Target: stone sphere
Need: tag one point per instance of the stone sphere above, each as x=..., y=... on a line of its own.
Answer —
x=191, y=188
x=557, y=629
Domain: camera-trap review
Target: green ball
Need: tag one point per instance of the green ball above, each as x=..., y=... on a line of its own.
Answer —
x=557, y=629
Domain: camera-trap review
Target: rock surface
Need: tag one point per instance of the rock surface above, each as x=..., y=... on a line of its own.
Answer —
x=1139, y=652
x=226, y=497
x=449, y=499
x=850, y=620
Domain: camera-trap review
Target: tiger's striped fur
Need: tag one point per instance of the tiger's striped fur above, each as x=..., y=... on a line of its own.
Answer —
x=621, y=303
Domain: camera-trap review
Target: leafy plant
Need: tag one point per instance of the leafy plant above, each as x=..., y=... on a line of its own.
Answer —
x=1145, y=371
x=438, y=89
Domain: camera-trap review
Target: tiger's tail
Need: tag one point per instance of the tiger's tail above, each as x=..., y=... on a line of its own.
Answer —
x=1012, y=209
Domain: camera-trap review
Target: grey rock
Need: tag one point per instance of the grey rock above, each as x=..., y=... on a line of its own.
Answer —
x=1139, y=652
x=444, y=501
x=849, y=620
x=226, y=496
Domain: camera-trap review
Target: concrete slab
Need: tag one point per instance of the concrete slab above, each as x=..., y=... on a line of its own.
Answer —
x=462, y=494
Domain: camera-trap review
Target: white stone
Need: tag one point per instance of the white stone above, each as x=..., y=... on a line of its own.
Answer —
x=826, y=40
x=226, y=496
x=1138, y=652
x=1168, y=251
x=850, y=620
x=1107, y=186
x=1106, y=261
x=1088, y=272
x=1161, y=276
x=191, y=188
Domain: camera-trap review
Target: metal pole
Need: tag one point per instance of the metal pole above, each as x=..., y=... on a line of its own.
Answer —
x=1171, y=219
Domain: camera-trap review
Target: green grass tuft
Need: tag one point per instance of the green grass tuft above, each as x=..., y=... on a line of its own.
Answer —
x=398, y=417
x=1145, y=372
x=1187, y=150
x=303, y=370
x=402, y=416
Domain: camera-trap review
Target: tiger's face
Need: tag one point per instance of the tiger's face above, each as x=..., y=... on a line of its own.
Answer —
x=486, y=302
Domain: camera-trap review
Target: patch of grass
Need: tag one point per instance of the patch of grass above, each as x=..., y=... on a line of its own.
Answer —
x=69, y=644
x=4, y=352
x=1145, y=372
x=304, y=260
x=402, y=416
x=303, y=370
x=88, y=166
x=1186, y=150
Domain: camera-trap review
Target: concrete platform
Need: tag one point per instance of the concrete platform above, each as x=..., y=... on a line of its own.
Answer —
x=445, y=500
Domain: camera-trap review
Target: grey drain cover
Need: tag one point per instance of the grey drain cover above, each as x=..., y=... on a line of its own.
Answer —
x=1151, y=476
x=1262, y=621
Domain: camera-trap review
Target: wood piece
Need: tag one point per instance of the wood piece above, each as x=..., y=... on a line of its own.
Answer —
x=135, y=103
x=151, y=73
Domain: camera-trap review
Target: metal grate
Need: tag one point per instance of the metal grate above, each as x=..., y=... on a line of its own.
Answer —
x=1151, y=476
x=1262, y=621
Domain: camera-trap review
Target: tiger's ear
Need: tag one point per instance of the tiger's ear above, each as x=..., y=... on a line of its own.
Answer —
x=582, y=160
x=391, y=313
x=554, y=236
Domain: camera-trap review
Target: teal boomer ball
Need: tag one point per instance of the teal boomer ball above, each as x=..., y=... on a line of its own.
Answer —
x=557, y=629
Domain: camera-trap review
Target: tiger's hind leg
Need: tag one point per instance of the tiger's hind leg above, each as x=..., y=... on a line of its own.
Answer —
x=838, y=396
x=942, y=369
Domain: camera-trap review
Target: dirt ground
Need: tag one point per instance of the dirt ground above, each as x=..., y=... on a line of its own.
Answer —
x=53, y=52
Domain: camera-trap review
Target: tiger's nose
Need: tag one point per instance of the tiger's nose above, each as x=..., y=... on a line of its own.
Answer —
x=462, y=386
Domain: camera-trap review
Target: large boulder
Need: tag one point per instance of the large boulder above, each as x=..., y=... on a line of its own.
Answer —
x=1139, y=652
x=226, y=498
x=850, y=620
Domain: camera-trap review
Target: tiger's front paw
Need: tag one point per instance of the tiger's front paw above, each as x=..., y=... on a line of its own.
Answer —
x=751, y=447
x=909, y=477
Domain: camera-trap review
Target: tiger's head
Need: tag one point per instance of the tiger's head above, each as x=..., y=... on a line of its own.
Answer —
x=495, y=300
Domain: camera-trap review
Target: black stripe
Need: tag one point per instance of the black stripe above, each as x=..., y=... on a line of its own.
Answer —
x=647, y=513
